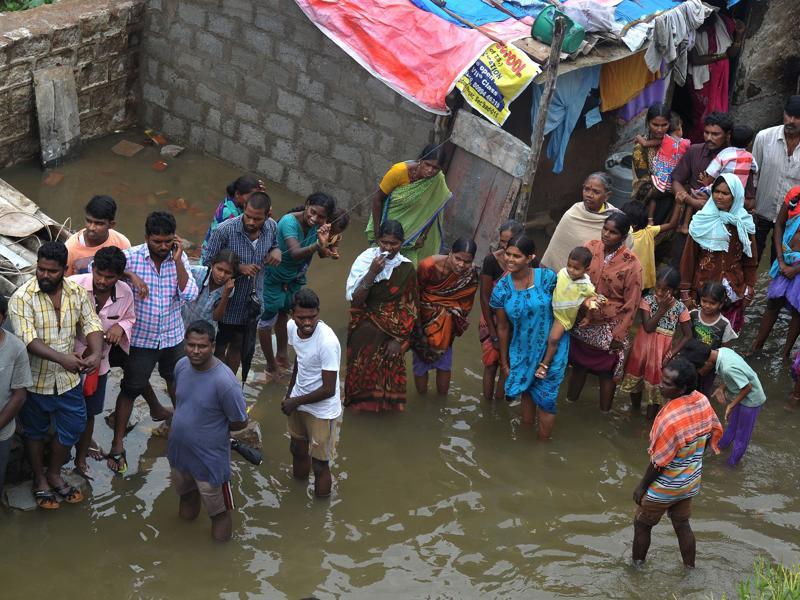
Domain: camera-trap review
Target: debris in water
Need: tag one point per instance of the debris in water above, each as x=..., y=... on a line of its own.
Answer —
x=160, y=193
x=156, y=138
x=177, y=204
x=171, y=150
x=127, y=149
x=53, y=179
x=160, y=165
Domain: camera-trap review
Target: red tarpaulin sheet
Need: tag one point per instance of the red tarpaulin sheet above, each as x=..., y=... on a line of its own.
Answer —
x=414, y=52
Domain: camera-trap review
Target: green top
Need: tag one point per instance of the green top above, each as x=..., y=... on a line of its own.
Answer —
x=735, y=374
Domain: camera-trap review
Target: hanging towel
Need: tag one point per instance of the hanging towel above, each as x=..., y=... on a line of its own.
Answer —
x=672, y=31
x=565, y=109
x=622, y=80
x=700, y=73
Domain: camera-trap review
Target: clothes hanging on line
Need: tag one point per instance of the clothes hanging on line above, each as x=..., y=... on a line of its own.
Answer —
x=622, y=80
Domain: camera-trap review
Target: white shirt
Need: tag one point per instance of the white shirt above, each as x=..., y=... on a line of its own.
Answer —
x=778, y=171
x=321, y=352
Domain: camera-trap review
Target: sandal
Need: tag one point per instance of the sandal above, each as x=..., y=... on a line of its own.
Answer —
x=96, y=453
x=120, y=462
x=46, y=499
x=70, y=494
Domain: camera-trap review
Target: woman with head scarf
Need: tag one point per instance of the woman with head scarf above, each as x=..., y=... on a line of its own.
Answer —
x=721, y=247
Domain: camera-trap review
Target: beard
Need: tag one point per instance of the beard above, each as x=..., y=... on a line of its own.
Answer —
x=48, y=286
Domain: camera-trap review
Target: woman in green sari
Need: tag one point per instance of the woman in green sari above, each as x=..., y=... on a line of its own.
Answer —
x=415, y=194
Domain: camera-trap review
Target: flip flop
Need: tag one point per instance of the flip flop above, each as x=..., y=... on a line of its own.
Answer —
x=70, y=494
x=96, y=453
x=120, y=462
x=46, y=499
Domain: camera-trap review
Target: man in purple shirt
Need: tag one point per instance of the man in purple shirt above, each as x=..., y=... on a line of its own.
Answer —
x=210, y=406
x=157, y=336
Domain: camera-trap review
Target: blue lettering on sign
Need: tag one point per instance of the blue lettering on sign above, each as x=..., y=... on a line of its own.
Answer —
x=481, y=79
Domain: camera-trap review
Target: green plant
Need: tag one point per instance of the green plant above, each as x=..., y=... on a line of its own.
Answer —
x=771, y=582
x=9, y=5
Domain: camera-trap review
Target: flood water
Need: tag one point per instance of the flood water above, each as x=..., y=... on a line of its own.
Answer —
x=455, y=498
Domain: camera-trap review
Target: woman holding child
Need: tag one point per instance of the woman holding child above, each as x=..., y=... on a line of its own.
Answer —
x=599, y=342
x=721, y=247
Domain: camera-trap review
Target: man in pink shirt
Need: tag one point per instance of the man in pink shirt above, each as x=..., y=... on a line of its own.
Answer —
x=113, y=301
x=98, y=233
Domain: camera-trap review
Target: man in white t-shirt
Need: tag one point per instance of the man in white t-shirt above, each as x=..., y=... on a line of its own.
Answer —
x=312, y=403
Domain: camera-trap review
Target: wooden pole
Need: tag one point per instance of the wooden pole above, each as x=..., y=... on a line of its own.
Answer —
x=537, y=135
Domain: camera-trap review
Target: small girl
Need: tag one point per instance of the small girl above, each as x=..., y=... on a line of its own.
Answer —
x=573, y=290
x=710, y=326
x=216, y=284
x=661, y=313
x=339, y=222
x=671, y=149
x=644, y=233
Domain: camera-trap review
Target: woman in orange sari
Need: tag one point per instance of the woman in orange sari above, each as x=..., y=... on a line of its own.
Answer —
x=382, y=290
x=447, y=286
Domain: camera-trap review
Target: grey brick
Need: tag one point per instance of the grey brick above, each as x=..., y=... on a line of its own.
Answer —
x=252, y=137
x=292, y=56
x=269, y=21
x=321, y=166
x=224, y=75
x=242, y=9
x=323, y=119
x=189, y=109
x=343, y=104
x=191, y=13
x=221, y=25
x=257, y=40
x=314, y=140
x=211, y=141
x=277, y=74
x=360, y=133
x=310, y=88
x=155, y=94
x=229, y=127
x=245, y=59
x=347, y=154
x=205, y=42
x=154, y=5
x=390, y=119
x=285, y=151
x=151, y=66
x=378, y=92
x=299, y=183
x=291, y=103
x=271, y=169
x=213, y=118
x=386, y=143
x=279, y=125
x=174, y=126
x=190, y=62
x=180, y=34
x=258, y=92
x=307, y=35
x=246, y=112
x=197, y=135
x=207, y=95
x=172, y=80
x=234, y=152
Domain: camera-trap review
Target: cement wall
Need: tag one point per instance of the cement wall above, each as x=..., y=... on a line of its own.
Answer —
x=100, y=39
x=256, y=83
x=769, y=64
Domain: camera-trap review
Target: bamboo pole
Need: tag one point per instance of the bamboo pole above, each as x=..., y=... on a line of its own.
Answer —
x=537, y=134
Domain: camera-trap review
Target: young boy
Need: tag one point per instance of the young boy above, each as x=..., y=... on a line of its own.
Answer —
x=573, y=291
x=644, y=233
x=15, y=376
x=735, y=159
x=98, y=233
x=312, y=402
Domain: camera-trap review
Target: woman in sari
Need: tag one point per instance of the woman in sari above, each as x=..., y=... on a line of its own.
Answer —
x=523, y=300
x=447, y=286
x=415, y=194
x=599, y=342
x=721, y=247
x=494, y=267
x=382, y=290
x=784, y=289
x=718, y=40
x=301, y=235
x=583, y=221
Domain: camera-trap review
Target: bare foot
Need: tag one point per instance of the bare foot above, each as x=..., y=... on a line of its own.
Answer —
x=162, y=413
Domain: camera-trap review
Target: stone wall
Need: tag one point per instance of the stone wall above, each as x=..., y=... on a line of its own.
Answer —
x=769, y=64
x=256, y=83
x=100, y=39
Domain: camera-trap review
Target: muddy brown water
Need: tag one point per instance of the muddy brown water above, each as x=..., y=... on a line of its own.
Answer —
x=454, y=498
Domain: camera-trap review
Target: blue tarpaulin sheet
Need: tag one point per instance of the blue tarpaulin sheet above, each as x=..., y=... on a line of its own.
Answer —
x=474, y=11
x=630, y=10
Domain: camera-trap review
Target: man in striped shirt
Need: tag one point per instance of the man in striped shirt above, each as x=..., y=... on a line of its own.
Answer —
x=681, y=431
x=47, y=312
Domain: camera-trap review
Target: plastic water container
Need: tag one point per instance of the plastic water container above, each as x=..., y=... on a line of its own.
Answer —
x=620, y=167
x=544, y=26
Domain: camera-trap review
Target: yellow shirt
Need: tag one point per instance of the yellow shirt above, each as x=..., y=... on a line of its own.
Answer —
x=34, y=317
x=395, y=177
x=644, y=247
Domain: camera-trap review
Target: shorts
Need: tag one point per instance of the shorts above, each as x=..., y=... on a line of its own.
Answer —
x=139, y=366
x=94, y=403
x=227, y=332
x=444, y=363
x=321, y=434
x=216, y=498
x=650, y=512
x=68, y=411
x=267, y=320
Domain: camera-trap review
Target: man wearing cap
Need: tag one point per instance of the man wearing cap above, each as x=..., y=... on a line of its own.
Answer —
x=777, y=153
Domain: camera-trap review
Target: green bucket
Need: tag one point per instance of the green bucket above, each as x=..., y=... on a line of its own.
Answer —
x=544, y=25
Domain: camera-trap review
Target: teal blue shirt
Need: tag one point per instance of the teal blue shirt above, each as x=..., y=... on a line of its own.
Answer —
x=735, y=374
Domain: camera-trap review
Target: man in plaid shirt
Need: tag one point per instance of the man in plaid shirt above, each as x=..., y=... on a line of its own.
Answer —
x=157, y=336
x=252, y=236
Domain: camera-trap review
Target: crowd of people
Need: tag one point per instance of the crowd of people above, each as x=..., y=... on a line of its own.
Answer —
x=676, y=265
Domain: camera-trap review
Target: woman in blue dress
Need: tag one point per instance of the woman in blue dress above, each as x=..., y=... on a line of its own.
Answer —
x=523, y=301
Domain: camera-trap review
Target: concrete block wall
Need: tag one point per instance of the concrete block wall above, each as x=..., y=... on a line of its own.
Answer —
x=100, y=39
x=256, y=83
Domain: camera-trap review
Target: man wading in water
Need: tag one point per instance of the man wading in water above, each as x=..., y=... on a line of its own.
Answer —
x=678, y=439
